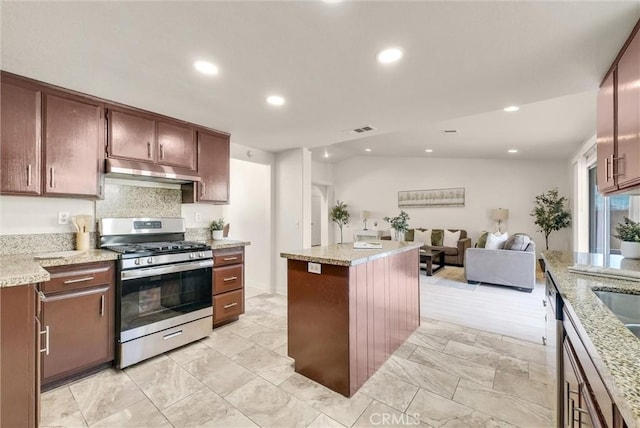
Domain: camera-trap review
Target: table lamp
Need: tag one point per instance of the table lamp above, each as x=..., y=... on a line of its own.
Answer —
x=499, y=215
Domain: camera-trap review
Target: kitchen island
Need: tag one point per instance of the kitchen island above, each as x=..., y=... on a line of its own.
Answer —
x=350, y=309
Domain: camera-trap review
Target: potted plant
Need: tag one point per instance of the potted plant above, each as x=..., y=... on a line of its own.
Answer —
x=629, y=233
x=550, y=213
x=216, y=228
x=400, y=224
x=340, y=216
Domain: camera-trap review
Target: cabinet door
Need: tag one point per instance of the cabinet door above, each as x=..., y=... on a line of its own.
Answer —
x=176, y=145
x=79, y=341
x=606, y=136
x=20, y=141
x=131, y=136
x=213, y=166
x=73, y=138
x=629, y=115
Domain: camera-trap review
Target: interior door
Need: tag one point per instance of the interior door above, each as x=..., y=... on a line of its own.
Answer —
x=316, y=226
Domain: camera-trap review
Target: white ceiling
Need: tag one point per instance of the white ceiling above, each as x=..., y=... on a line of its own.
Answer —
x=463, y=62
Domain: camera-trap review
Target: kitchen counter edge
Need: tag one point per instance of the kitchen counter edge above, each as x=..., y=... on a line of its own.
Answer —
x=346, y=255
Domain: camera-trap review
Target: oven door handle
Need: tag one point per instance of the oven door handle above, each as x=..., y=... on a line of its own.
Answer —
x=161, y=270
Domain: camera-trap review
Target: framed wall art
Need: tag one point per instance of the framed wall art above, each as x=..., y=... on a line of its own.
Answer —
x=453, y=197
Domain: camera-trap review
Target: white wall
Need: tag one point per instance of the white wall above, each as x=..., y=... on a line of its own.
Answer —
x=372, y=183
x=22, y=215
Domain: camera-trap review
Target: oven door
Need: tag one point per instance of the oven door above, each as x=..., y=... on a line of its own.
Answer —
x=158, y=298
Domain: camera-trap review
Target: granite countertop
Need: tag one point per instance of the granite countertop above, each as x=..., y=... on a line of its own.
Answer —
x=218, y=244
x=613, y=348
x=24, y=269
x=346, y=255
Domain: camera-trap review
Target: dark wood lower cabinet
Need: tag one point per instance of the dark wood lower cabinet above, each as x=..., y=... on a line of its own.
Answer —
x=19, y=357
x=228, y=285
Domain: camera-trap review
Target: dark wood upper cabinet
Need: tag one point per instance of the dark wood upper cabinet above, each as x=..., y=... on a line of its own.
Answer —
x=131, y=136
x=176, y=145
x=73, y=140
x=628, y=114
x=213, y=166
x=606, y=135
x=21, y=139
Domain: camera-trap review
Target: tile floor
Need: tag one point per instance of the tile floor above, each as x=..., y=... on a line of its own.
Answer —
x=445, y=375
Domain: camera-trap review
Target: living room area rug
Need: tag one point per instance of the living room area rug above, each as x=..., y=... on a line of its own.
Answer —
x=446, y=296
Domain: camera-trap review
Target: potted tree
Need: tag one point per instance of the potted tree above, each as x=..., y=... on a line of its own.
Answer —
x=629, y=233
x=550, y=215
x=400, y=224
x=216, y=228
x=340, y=216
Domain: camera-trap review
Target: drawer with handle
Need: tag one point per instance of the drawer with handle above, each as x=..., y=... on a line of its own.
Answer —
x=227, y=278
x=74, y=277
x=227, y=257
x=228, y=305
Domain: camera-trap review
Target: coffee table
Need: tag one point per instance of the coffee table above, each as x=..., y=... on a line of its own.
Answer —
x=427, y=257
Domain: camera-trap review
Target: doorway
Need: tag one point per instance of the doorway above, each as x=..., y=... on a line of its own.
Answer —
x=319, y=215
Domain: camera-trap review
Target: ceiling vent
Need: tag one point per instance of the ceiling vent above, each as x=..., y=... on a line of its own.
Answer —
x=450, y=132
x=363, y=129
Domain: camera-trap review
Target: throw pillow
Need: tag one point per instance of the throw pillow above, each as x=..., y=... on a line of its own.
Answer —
x=518, y=242
x=436, y=237
x=451, y=238
x=423, y=236
x=482, y=240
x=409, y=235
x=495, y=241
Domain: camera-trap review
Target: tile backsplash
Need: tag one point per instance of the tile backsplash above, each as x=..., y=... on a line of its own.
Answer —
x=41, y=243
x=134, y=201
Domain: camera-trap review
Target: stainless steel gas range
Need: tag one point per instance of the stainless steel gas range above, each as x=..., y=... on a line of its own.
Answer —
x=164, y=286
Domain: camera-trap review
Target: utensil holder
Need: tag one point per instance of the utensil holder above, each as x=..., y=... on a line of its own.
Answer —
x=82, y=241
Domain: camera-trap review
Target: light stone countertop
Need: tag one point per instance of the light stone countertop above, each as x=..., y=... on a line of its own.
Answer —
x=22, y=269
x=346, y=255
x=219, y=244
x=613, y=348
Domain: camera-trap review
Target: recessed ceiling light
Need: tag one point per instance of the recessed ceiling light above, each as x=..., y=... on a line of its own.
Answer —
x=275, y=100
x=388, y=56
x=511, y=109
x=513, y=150
x=206, y=67
x=429, y=151
x=326, y=154
x=367, y=150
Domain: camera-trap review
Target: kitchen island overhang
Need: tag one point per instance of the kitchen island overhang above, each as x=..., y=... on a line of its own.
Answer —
x=350, y=309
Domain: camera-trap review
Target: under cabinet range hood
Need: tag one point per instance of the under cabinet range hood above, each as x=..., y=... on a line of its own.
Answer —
x=121, y=168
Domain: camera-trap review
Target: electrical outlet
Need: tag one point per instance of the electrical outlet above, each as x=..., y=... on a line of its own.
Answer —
x=314, y=268
x=63, y=217
x=198, y=217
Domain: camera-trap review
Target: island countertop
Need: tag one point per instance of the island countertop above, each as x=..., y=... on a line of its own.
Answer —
x=346, y=255
x=613, y=348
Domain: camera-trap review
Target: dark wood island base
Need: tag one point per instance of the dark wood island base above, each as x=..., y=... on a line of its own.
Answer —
x=346, y=321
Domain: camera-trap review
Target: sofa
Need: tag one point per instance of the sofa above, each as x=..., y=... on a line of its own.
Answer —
x=453, y=255
x=513, y=266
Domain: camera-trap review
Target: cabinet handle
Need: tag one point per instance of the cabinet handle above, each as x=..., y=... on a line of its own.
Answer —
x=202, y=189
x=611, y=163
x=231, y=305
x=52, y=180
x=46, y=340
x=102, y=305
x=161, y=151
x=29, y=175
x=231, y=278
x=544, y=303
x=571, y=415
x=228, y=259
x=544, y=340
x=171, y=335
x=72, y=281
x=148, y=149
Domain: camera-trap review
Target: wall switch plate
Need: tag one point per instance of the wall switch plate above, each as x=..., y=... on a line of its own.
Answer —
x=63, y=217
x=314, y=268
x=198, y=217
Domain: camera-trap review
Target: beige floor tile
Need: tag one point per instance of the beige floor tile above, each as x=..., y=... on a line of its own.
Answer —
x=218, y=372
x=515, y=350
x=188, y=352
x=227, y=343
x=250, y=292
x=536, y=345
x=459, y=367
x=487, y=357
x=270, y=339
x=389, y=390
x=71, y=420
x=164, y=382
x=282, y=350
x=437, y=411
x=421, y=338
x=265, y=363
x=206, y=410
x=324, y=421
x=104, y=394
x=446, y=332
x=273, y=319
x=140, y=415
x=542, y=373
x=58, y=405
x=529, y=390
x=378, y=414
x=405, y=350
x=421, y=376
x=501, y=405
x=342, y=409
x=270, y=406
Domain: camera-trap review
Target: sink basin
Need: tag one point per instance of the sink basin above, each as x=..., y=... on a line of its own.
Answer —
x=625, y=306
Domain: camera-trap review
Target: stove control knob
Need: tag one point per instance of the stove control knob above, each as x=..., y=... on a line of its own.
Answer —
x=201, y=254
x=192, y=255
x=150, y=260
x=137, y=261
